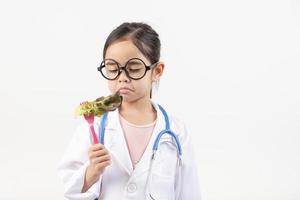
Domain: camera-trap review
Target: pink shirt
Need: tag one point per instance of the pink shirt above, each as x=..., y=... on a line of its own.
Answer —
x=137, y=138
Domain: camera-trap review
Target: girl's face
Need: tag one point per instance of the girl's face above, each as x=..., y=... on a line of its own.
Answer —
x=131, y=90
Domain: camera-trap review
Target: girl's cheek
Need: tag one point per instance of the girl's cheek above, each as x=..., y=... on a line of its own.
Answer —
x=112, y=87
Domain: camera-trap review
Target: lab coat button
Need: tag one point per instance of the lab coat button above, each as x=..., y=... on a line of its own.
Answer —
x=131, y=187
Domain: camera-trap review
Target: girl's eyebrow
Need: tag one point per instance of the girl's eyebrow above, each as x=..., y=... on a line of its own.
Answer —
x=134, y=61
x=110, y=61
x=130, y=60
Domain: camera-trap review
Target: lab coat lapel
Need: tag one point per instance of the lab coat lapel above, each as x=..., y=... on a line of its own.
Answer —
x=117, y=145
x=144, y=164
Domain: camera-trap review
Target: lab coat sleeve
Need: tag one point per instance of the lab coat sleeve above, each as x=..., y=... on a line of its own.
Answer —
x=73, y=165
x=190, y=186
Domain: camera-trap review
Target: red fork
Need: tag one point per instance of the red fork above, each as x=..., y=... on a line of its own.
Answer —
x=90, y=121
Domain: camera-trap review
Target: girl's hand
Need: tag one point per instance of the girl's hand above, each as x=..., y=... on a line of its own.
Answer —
x=99, y=159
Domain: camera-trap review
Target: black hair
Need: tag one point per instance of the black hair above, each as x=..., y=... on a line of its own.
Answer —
x=142, y=35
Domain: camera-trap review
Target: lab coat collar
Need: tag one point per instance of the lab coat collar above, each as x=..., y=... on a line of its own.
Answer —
x=144, y=163
x=118, y=146
x=113, y=121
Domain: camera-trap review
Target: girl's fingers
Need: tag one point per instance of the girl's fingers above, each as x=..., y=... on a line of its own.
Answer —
x=97, y=147
x=102, y=165
x=98, y=153
x=101, y=159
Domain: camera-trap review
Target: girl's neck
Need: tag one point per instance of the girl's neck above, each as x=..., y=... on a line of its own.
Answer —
x=140, y=112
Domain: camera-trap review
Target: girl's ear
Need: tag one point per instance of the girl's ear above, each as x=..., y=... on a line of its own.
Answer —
x=158, y=71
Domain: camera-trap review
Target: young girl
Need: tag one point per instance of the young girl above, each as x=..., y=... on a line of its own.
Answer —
x=124, y=167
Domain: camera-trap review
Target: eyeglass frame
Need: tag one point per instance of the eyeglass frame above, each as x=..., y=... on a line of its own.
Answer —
x=123, y=68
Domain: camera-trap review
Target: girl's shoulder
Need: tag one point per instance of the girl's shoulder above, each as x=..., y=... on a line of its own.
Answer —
x=177, y=124
x=179, y=127
x=174, y=119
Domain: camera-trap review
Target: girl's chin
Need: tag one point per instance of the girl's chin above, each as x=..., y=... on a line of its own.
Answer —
x=128, y=99
x=125, y=97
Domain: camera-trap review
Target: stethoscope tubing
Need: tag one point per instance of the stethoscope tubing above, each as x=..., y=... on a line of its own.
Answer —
x=156, y=144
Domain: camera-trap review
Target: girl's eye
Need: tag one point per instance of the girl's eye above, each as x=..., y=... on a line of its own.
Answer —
x=112, y=70
x=134, y=70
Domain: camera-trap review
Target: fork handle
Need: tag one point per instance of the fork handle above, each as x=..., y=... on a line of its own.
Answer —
x=94, y=135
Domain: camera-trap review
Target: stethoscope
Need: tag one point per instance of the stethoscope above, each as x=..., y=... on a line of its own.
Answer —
x=156, y=144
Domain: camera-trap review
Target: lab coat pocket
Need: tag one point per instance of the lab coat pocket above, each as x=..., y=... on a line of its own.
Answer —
x=166, y=160
x=162, y=187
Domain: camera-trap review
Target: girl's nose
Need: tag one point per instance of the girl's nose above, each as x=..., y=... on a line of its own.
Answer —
x=123, y=77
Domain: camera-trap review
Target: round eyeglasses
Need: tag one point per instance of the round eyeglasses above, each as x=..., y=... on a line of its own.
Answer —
x=134, y=68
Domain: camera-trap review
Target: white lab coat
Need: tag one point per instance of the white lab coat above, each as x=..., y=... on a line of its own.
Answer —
x=119, y=180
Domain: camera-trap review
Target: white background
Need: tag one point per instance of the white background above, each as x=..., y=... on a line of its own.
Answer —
x=232, y=74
